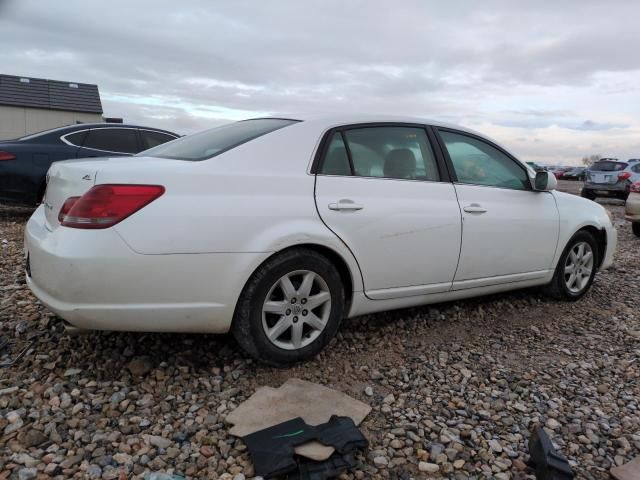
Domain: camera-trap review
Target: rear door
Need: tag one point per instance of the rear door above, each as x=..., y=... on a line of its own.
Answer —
x=510, y=231
x=110, y=142
x=382, y=191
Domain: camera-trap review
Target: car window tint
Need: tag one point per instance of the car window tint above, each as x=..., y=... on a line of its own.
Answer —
x=478, y=163
x=152, y=139
x=608, y=166
x=392, y=152
x=636, y=168
x=336, y=160
x=208, y=144
x=77, y=138
x=121, y=140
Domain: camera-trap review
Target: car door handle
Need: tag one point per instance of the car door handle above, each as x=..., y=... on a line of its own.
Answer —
x=475, y=208
x=345, y=204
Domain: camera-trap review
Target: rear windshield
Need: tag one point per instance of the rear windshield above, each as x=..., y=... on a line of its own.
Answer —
x=608, y=166
x=210, y=143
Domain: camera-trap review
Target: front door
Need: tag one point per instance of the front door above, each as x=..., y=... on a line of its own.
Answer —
x=509, y=231
x=380, y=189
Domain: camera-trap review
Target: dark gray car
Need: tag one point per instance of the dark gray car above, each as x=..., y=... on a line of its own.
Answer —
x=607, y=178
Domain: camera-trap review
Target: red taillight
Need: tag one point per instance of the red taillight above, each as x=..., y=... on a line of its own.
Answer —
x=105, y=205
x=635, y=187
x=624, y=175
x=66, y=207
x=6, y=156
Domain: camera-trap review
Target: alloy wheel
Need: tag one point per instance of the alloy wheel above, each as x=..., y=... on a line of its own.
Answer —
x=296, y=309
x=578, y=267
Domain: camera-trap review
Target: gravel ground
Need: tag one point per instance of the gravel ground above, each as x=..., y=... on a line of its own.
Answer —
x=453, y=387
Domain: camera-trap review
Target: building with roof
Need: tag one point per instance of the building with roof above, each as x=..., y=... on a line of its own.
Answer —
x=29, y=105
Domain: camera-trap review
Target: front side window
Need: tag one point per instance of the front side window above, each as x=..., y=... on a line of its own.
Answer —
x=479, y=163
x=207, y=144
x=384, y=152
x=120, y=140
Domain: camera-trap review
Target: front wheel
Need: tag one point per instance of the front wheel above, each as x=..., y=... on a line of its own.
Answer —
x=576, y=268
x=290, y=308
x=635, y=226
x=588, y=194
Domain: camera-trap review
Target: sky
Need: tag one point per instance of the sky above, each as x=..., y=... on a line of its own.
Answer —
x=553, y=81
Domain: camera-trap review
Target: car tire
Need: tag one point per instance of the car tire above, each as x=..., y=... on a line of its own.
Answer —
x=566, y=285
x=624, y=196
x=588, y=194
x=635, y=226
x=272, y=325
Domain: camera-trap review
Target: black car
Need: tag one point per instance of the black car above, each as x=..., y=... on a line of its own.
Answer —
x=24, y=162
x=577, y=173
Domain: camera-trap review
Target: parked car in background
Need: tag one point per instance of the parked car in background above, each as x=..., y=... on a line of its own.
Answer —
x=559, y=172
x=609, y=178
x=278, y=228
x=24, y=162
x=632, y=208
x=577, y=173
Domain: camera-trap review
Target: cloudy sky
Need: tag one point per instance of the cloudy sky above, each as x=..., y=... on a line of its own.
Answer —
x=551, y=80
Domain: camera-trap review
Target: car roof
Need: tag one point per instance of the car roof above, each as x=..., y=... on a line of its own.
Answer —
x=86, y=126
x=327, y=121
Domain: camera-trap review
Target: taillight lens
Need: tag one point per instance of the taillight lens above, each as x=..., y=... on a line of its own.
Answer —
x=635, y=187
x=105, y=205
x=6, y=155
x=624, y=175
x=66, y=207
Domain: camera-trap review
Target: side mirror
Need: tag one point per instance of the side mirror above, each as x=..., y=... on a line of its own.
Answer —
x=545, y=181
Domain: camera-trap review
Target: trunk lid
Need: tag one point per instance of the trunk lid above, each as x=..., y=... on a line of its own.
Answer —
x=67, y=179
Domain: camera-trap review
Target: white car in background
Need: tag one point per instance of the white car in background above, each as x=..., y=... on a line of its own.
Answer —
x=278, y=228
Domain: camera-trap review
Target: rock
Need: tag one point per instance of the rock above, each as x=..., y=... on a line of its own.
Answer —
x=140, y=366
x=34, y=438
x=381, y=461
x=428, y=467
x=27, y=473
x=368, y=391
x=495, y=446
x=553, y=424
x=389, y=398
x=158, y=441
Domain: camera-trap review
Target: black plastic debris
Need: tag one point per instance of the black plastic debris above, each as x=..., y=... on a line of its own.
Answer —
x=12, y=350
x=547, y=463
x=272, y=449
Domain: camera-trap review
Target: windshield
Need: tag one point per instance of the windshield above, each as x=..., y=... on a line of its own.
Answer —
x=210, y=143
x=608, y=166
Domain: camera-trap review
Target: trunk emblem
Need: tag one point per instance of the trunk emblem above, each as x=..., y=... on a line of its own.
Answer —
x=87, y=177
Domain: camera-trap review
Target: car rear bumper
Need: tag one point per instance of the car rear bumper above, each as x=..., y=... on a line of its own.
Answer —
x=92, y=279
x=606, y=187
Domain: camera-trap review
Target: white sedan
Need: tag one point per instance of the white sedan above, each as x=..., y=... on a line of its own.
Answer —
x=277, y=228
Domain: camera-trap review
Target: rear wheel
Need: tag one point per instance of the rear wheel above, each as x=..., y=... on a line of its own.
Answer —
x=290, y=308
x=576, y=268
x=588, y=194
x=635, y=226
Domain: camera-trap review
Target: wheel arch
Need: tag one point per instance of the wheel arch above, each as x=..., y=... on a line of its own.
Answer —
x=600, y=235
x=347, y=275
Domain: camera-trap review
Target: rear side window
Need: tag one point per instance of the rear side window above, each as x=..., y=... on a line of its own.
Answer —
x=210, y=143
x=383, y=152
x=77, y=138
x=152, y=139
x=119, y=140
x=608, y=166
